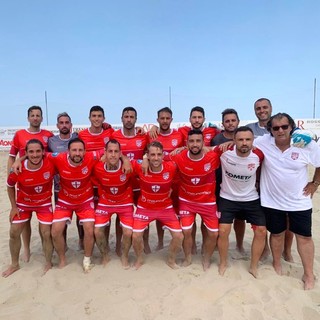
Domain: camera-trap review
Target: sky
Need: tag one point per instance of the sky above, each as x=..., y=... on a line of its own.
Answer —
x=214, y=54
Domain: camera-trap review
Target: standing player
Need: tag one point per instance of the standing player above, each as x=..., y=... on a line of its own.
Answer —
x=155, y=203
x=33, y=193
x=240, y=169
x=115, y=196
x=197, y=194
x=19, y=142
x=133, y=146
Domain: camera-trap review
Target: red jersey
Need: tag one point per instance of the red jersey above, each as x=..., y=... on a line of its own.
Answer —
x=34, y=187
x=22, y=137
x=134, y=146
x=75, y=181
x=197, y=177
x=115, y=187
x=208, y=134
x=170, y=141
x=95, y=141
x=155, y=186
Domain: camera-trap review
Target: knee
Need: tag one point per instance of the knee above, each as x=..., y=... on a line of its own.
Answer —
x=260, y=232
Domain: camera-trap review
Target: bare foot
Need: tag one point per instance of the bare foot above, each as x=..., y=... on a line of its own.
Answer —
x=172, y=264
x=287, y=257
x=308, y=282
x=10, y=271
x=205, y=264
x=254, y=272
x=125, y=262
x=159, y=246
x=186, y=262
x=105, y=260
x=147, y=249
x=277, y=269
x=62, y=263
x=26, y=255
x=46, y=268
x=222, y=269
x=138, y=264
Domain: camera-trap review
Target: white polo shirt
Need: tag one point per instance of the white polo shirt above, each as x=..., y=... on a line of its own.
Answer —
x=285, y=174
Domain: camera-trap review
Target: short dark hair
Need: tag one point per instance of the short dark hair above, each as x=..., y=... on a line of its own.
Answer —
x=96, y=108
x=165, y=109
x=126, y=109
x=262, y=99
x=34, y=141
x=197, y=108
x=243, y=129
x=76, y=140
x=155, y=144
x=63, y=114
x=114, y=141
x=279, y=116
x=229, y=111
x=34, y=108
x=194, y=131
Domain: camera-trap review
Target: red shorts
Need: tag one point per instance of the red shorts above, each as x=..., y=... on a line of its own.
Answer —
x=84, y=211
x=208, y=213
x=104, y=214
x=142, y=217
x=44, y=214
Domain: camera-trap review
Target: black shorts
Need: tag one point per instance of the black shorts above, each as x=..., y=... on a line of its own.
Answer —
x=300, y=222
x=248, y=210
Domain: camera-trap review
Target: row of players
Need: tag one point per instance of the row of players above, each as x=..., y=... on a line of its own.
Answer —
x=188, y=207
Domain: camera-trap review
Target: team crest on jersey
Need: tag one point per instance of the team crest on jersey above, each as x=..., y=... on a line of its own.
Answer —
x=207, y=167
x=45, y=139
x=46, y=175
x=294, y=155
x=155, y=188
x=130, y=155
x=114, y=190
x=76, y=184
x=123, y=177
x=106, y=139
x=85, y=170
x=208, y=136
x=165, y=176
x=138, y=143
x=174, y=142
x=195, y=180
x=38, y=189
x=251, y=166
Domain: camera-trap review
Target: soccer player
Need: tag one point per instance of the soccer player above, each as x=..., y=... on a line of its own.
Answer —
x=19, y=142
x=75, y=195
x=238, y=195
x=155, y=203
x=31, y=191
x=115, y=196
x=286, y=193
x=197, y=194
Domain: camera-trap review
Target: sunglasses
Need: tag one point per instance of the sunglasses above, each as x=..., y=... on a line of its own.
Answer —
x=277, y=128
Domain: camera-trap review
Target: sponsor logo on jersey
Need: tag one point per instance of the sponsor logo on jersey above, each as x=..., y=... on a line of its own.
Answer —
x=114, y=190
x=46, y=175
x=123, y=177
x=155, y=188
x=195, y=180
x=76, y=184
x=174, y=142
x=294, y=155
x=166, y=176
x=101, y=212
x=207, y=167
x=85, y=170
x=138, y=143
x=38, y=189
x=251, y=166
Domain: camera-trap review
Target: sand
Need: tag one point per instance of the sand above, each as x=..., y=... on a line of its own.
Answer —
x=155, y=291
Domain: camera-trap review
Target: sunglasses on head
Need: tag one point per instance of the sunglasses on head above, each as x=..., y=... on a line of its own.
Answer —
x=283, y=127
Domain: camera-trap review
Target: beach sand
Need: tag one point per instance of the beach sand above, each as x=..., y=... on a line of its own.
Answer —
x=154, y=291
